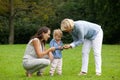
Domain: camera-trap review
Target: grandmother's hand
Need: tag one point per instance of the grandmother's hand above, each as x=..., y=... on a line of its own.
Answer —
x=67, y=46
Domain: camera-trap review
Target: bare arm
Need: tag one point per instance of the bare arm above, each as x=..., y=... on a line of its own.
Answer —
x=37, y=47
x=50, y=56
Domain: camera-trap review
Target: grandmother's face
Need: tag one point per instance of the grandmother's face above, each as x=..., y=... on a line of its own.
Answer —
x=68, y=29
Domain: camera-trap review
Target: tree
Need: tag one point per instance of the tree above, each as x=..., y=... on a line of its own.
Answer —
x=11, y=25
x=34, y=12
x=7, y=11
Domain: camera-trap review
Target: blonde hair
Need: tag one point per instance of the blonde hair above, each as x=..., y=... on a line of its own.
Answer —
x=57, y=32
x=67, y=24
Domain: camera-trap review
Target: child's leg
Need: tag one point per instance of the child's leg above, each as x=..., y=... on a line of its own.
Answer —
x=59, y=66
x=53, y=66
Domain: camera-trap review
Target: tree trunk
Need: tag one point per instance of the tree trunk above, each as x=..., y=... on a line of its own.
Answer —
x=11, y=25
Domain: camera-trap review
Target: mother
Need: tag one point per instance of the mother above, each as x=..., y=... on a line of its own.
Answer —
x=35, y=54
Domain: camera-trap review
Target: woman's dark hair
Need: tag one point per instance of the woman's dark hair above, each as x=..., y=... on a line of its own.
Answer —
x=39, y=33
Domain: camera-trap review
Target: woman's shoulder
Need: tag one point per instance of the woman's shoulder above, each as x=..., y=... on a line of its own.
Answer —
x=33, y=40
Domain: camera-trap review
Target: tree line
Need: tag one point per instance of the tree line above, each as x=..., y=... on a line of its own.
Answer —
x=20, y=19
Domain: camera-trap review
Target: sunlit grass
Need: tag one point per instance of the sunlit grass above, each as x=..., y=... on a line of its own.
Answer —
x=11, y=64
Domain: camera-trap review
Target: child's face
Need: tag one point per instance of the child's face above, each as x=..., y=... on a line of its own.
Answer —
x=57, y=38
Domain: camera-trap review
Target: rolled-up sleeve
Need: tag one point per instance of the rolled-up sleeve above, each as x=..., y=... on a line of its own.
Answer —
x=78, y=37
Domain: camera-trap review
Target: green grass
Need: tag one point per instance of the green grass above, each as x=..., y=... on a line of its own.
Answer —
x=11, y=64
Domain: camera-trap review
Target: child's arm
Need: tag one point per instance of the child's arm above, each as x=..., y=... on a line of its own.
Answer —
x=59, y=48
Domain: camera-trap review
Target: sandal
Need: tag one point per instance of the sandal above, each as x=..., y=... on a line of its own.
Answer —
x=28, y=74
x=82, y=73
x=98, y=74
x=39, y=73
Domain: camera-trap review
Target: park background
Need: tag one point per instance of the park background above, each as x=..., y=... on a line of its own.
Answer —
x=20, y=19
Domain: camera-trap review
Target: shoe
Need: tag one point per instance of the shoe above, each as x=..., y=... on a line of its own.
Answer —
x=82, y=73
x=39, y=73
x=98, y=74
x=51, y=74
x=28, y=74
x=59, y=74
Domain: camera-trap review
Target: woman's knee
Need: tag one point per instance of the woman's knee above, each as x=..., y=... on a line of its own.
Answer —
x=46, y=62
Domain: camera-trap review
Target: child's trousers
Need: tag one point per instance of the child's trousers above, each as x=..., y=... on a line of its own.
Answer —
x=56, y=64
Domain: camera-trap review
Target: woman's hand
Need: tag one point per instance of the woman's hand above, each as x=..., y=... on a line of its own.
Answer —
x=52, y=49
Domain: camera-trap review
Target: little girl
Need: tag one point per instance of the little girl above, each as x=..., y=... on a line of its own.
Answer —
x=56, y=42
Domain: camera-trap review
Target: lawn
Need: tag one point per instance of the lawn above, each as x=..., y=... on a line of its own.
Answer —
x=11, y=64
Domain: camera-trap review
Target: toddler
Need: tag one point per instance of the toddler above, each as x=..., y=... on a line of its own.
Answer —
x=56, y=42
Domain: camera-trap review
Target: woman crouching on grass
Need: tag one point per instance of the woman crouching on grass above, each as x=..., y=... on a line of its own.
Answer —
x=35, y=59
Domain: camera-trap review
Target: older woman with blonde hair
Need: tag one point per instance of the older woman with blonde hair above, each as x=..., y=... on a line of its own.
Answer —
x=90, y=35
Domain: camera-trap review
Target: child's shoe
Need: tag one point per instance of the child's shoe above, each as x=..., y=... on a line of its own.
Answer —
x=60, y=74
x=51, y=74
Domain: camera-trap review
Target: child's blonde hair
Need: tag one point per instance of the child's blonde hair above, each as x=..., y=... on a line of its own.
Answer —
x=57, y=32
x=67, y=24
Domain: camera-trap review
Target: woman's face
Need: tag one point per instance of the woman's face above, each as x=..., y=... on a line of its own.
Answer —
x=46, y=36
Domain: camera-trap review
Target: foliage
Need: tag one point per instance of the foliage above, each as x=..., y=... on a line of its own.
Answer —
x=30, y=14
x=3, y=30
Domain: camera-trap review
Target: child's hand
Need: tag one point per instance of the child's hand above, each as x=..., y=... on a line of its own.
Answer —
x=59, y=48
x=66, y=46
